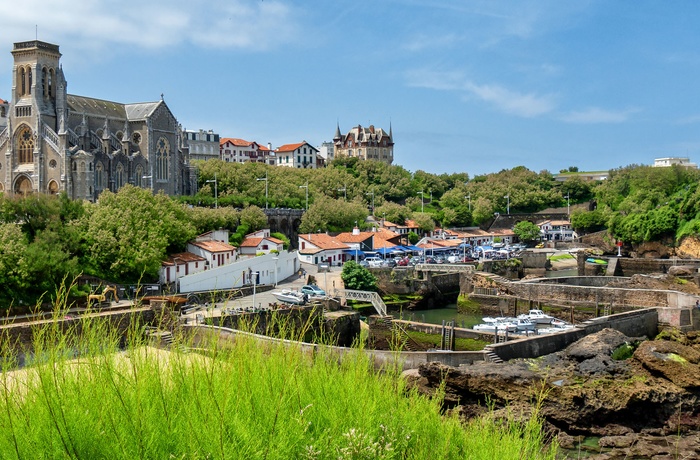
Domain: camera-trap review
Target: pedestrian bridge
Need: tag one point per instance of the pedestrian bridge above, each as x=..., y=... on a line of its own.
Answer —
x=446, y=268
x=363, y=296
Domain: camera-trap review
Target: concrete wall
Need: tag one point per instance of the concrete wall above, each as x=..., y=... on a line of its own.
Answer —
x=639, y=323
x=231, y=276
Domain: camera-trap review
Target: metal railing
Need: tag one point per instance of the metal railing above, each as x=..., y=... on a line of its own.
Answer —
x=364, y=296
x=450, y=268
x=50, y=136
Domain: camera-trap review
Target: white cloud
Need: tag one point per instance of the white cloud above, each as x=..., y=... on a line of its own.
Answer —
x=526, y=105
x=151, y=24
x=597, y=115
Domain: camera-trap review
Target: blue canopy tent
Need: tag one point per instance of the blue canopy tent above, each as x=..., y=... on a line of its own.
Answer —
x=384, y=251
x=464, y=246
x=413, y=248
x=354, y=252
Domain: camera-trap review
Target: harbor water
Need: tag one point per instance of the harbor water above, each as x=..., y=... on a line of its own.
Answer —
x=437, y=315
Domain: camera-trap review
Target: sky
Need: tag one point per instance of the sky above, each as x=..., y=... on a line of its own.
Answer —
x=467, y=86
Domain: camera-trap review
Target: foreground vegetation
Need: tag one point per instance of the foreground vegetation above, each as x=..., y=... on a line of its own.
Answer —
x=232, y=400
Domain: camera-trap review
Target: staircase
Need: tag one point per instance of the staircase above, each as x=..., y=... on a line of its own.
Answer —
x=491, y=356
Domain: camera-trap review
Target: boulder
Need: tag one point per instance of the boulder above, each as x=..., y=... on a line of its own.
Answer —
x=682, y=270
x=672, y=361
x=600, y=343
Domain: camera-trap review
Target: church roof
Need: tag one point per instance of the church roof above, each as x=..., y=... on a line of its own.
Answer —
x=101, y=108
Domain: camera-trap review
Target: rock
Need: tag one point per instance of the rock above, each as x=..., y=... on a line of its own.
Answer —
x=682, y=270
x=599, y=366
x=617, y=441
x=567, y=441
x=603, y=342
x=672, y=361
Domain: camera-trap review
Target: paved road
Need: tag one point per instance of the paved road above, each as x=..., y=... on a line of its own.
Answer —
x=326, y=281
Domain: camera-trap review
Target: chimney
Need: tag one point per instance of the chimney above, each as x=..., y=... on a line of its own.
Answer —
x=355, y=230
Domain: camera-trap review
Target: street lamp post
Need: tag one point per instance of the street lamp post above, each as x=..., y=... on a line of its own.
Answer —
x=568, y=205
x=421, y=200
x=345, y=192
x=265, y=179
x=307, y=193
x=508, y=205
x=469, y=199
x=371, y=193
x=216, y=191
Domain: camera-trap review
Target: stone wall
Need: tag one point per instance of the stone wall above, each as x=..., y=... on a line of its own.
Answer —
x=639, y=323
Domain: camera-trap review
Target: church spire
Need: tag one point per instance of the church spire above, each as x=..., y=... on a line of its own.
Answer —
x=337, y=132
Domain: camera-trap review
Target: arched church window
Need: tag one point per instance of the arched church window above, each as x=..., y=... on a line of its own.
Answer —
x=138, y=180
x=25, y=145
x=52, y=83
x=100, y=182
x=162, y=158
x=45, y=82
x=23, y=81
x=119, y=176
x=29, y=80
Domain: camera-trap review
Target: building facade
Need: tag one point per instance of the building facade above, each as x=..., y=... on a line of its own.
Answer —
x=234, y=150
x=365, y=143
x=300, y=155
x=55, y=142
x=204, y=145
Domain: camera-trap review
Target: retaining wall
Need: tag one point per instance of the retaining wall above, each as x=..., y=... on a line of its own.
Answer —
x=639, y=323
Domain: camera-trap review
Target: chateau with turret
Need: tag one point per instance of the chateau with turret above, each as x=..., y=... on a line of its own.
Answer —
x=52, y=141
x=365, y=143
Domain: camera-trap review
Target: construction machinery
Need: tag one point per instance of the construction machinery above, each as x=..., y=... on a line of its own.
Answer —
x=103, y=297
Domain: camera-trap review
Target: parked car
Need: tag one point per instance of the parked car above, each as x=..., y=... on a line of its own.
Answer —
x=391, y=263
x=312, y=290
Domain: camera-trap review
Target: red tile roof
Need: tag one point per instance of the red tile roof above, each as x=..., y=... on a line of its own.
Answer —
x=289, y=147
x=2, y=102
x=214, y=246
x=182, y=258
x=348, y=237
x=323, y=241
x=251, y=242
x=235, y=141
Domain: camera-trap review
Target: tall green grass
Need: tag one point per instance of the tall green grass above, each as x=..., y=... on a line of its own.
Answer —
x=84, y=395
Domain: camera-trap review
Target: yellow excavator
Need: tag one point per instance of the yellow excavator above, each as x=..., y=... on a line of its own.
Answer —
x=100, y=298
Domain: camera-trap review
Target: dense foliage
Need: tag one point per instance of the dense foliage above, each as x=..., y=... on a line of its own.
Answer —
x=355, y=276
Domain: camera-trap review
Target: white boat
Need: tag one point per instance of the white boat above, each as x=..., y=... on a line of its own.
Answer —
x=537, y=316
x=289, y=296
x=491, y=327
x=521, y=323
x=524, y=324
x=555, y=329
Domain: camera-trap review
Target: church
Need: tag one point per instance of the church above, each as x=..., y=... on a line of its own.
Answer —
x=52, y=141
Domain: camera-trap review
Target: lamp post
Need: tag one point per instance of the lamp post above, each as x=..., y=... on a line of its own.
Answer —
x=345, y=192
x=464, y=247
x=307, y=193
x=469, y=199
x=265, y=179
x=216, y=191
x=567, y=204
x=371, y=193
x=508, y=205
x=421, y=200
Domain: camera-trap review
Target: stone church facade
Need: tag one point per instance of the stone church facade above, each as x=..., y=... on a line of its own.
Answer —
x=52, y=141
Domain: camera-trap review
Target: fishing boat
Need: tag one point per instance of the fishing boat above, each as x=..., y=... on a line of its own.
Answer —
x=290, y=296
x=495, y=325
x=537, y=316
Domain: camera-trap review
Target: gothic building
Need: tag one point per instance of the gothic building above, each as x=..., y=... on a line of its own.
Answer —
x=365, y=144
x=52, y=141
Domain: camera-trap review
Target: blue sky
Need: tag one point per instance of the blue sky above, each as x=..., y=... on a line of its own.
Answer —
x=468, y=86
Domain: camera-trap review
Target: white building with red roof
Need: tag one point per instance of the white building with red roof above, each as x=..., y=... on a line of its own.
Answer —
x=299, y=155
x=214, y=247
x=259, y=243
x=235, y=150
x=179, y=265
x=315, y=248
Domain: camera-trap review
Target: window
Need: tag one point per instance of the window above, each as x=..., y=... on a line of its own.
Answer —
x=138, y=180
x=99, y=176
x=25, y=142
x=119, y=176
x=162, y=159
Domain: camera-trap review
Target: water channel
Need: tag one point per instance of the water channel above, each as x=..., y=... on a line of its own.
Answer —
x=437, y=315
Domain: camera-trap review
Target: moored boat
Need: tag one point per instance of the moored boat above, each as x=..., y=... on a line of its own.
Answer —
x=537, y=316
x=290, y=296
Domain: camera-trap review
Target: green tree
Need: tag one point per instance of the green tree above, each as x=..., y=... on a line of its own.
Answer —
x=13, y=274
x=328, y=214
x=128, y=234
x=355, y=276
x=526, y=231
x=424, y=221
x=254, y=218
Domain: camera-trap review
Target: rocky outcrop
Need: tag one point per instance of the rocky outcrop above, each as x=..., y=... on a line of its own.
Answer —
x=635, y=404
x=689, y=248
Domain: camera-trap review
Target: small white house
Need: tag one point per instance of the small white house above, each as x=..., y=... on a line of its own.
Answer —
x=315, y=248
x=254, y=245
x=556, y=230
x=179, y=265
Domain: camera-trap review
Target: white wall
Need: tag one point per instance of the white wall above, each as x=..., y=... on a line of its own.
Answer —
x=232, y=275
